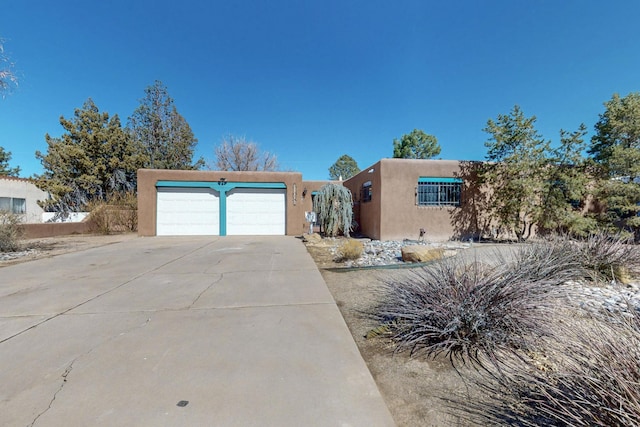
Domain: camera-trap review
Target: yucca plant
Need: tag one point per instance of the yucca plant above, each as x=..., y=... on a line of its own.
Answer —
x=588, y=375
x=334, y=206
x=608, y=257
x=475, y=311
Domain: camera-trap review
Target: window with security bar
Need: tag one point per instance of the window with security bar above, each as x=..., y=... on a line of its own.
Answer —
x=438, y=191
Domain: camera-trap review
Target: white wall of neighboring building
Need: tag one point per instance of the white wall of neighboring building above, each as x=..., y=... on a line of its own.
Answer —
x=20, y=188
x=72, y=217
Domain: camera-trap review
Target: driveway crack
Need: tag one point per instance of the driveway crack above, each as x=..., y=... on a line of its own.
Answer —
x=64, y=376
x=205, y=290
x=69, y=368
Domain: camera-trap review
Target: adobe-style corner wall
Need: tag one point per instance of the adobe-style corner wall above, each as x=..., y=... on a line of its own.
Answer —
x=147, y=200
x=368, y=214
x=402, y=218
x=393, y=214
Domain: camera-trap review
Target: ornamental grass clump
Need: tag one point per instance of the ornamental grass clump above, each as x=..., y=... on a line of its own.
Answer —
x=475, y=311
x=350, y=249
x=589, y=377
x=610, y=258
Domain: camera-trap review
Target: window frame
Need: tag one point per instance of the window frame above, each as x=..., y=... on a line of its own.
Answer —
x=367, y=192
x=438, y=192
x=16, y=205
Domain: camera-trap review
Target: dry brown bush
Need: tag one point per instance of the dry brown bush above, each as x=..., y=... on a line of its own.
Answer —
x=350, y=249
x=10, y=232
x=119, y=214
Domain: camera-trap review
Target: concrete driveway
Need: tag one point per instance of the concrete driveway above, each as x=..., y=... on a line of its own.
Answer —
x=183, y=331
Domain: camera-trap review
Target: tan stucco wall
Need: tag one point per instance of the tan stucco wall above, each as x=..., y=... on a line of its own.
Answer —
x=147, y=179
x=393, y=213
x=367, y=214
x=52, y=229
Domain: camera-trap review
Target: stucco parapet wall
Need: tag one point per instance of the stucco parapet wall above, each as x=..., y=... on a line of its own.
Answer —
x=15, y=178
x=426, y=163
x=189, y=175
x=149, y=178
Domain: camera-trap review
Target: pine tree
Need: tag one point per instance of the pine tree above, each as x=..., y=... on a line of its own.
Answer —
x=92, y=160
x=164, y=136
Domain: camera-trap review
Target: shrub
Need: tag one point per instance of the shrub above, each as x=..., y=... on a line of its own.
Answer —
x=118, y=214
x=350, y=249
x=10, y=232
x=609, y=257
x=472, y=312
x=590, y=378
x=334, y=205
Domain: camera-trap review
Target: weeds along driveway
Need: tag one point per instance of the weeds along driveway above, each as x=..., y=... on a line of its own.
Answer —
x=179, y=331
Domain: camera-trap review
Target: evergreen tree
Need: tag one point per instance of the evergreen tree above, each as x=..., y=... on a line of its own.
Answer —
x=5, y=169
x=92, y=160
x=164, y=136
x=566, y=187
x=515, y=172
x=616, y=152
x=416, y=145
x=344, y=167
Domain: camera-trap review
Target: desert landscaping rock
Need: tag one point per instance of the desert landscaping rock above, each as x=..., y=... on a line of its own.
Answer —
x=418, y=253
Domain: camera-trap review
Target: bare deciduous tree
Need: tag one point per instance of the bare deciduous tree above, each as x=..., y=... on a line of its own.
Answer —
x=7, y=76
x=239, y=154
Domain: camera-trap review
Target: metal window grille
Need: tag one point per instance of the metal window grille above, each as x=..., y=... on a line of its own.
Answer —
x=438, y=192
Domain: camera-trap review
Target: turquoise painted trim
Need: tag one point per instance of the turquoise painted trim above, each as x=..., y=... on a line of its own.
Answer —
x=222, y=211
x=222, y=188
x=256, y=185
x=219, y=186
x=439, y=179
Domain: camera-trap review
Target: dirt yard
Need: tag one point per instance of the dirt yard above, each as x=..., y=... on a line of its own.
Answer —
x=52, y=246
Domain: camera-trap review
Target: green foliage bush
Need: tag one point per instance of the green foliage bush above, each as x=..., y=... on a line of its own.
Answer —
x=350, y=249
x=10, y=232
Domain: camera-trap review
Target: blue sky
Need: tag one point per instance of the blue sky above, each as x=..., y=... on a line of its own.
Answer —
x=312, y=80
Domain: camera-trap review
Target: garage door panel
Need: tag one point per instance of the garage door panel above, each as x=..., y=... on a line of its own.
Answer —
x=253, y=211
x=187, y=211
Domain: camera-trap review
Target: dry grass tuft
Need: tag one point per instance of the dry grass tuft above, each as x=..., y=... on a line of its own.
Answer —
x=350, y=249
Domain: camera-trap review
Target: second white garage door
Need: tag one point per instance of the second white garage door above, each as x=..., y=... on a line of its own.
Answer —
x=256, y=211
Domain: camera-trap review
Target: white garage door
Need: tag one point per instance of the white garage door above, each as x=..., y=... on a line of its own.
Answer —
x=256, y=211
x=187, y=211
